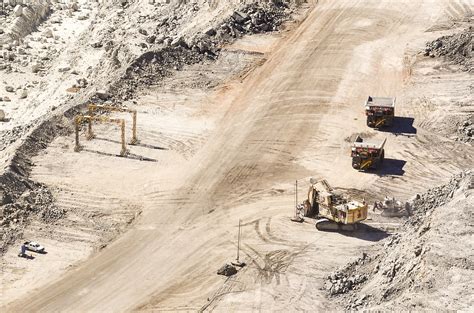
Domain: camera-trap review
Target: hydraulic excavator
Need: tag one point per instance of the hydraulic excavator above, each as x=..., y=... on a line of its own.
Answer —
x=334, y=211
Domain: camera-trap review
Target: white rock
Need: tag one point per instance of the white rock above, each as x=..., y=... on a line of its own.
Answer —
x=73, y=6
x=9, y=88
x=63, y=69
x=102, y=94
x=22, y=94
x=48, y=33
x=18, y=10
x=35, y=67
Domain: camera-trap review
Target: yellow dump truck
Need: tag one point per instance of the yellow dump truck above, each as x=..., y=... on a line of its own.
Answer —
x=367, y=155
x=380, y=111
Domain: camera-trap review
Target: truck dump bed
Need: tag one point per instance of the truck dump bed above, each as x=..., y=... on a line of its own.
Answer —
x=383, y=102
x=359, y=143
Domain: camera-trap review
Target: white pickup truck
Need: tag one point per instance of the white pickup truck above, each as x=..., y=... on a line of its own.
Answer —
x=34, y=246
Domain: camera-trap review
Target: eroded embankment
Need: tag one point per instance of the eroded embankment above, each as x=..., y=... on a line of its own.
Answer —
x=22, y=198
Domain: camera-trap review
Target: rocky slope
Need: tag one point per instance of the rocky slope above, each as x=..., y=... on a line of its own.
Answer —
x=457, y=48
x=428, y=265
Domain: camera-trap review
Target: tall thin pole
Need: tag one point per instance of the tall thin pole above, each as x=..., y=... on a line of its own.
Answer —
x=296, y=192
x=296, y=198
x=238, y=244
x=134, y=128
x=90, y=134
x=76, y=127
x=122, y=137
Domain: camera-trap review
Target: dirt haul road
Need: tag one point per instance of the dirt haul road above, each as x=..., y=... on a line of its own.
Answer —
x=288, y=119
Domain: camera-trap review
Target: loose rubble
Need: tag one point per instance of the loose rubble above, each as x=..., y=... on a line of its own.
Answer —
x=227, y=270
x=465, y=130
x=15, y=214
x=400, y=266
x=167, y=53
x=457, y=48
x=342, y=282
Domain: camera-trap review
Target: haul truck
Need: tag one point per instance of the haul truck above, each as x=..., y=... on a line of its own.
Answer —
x=380, y=111
x=367, y=155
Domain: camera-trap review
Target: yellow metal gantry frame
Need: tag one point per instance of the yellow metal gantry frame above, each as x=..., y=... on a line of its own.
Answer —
x=80, y=118
x=93, y=107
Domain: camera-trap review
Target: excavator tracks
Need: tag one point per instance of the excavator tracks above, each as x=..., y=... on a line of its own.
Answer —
x=326, y=225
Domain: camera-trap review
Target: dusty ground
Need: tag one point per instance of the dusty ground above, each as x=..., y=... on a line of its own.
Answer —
x=285, y=109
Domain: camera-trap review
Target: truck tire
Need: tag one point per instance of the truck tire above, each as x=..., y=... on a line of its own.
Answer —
x=370, y=123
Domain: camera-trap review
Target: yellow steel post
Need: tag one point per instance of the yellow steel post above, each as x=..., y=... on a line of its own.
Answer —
x=90, y=134
x=134, y=128
x=109, y=108
x=124, y=148
x=77, y=121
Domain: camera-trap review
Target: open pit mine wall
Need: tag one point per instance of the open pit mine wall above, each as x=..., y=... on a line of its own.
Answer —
x=28, y=14
x=214, y=4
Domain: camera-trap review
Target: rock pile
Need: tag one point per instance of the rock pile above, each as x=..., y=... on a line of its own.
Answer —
x=457, y=48
x=344, y=280
x=341, y=283
x=254, y=18
x=14, y=214
x=8, y=137
x=433, y=198
x=227, y=270
x=168, y=52
x=465, y=130
x=37, y=200
x=420, y=260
